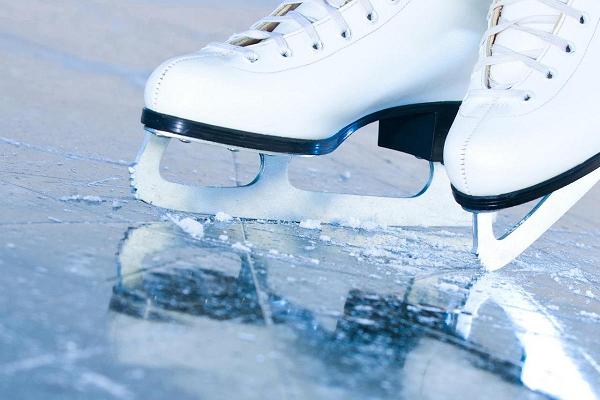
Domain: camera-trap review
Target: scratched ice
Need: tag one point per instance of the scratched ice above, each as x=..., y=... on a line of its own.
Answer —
x=104, y=297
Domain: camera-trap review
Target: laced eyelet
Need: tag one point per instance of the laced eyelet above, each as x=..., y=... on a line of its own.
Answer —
x=570, y=48
x=527, y=97
x=317, y=46
x=372, y=17
x=583, y=20
x=286, y=53
x=550, y=75
x=252, y=58
x=346, y=34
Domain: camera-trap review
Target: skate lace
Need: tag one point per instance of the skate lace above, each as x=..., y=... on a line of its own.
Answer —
x=287, y=13
x=498, y=54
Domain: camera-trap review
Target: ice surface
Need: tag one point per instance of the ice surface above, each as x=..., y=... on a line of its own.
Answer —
x=104, y=297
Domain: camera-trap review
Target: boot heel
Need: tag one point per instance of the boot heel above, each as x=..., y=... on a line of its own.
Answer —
x=420, y=130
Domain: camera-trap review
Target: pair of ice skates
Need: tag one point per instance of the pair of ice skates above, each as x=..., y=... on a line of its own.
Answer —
x=303, y=79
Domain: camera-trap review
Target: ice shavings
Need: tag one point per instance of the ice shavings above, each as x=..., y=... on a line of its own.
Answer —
x=189, y=225
x=83, y=199
x=356, y=223
x=89, y=199
x=310, y=224
x=448, y=287
x=377, y=251
x=274, y=253
x=404, y=248
x=223, y=217
x=575, y=274
x=116, y=204
x=589, y=315
x=239, y=246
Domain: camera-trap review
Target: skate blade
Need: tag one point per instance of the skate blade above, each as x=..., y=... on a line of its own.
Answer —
x=495, y=253
x=270, y=196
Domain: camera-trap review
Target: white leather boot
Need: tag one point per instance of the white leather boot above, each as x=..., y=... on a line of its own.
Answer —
x=301, y=81
x=528, y=128
x=307, y=76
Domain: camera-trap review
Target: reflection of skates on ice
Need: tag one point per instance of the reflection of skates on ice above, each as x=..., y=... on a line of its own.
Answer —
x=414, y=334
x=299, y=83
x=528, y=128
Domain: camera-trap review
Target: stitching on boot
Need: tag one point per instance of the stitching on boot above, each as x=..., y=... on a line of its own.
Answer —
x=463, y=150
x=164, y=74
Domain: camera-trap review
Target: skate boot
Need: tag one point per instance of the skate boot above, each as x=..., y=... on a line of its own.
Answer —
x=527, y=129
x=300, y=82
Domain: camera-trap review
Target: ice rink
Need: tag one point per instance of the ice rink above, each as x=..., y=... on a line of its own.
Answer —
x=105, y=297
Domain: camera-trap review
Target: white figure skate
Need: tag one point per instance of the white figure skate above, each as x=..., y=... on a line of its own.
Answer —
x=528, y=127
x=299, y=83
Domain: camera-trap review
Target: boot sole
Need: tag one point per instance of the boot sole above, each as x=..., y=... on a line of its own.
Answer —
x=417, y=129
x=519, y=197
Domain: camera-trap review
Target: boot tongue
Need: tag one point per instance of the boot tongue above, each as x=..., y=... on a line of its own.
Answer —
x=521, y=42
